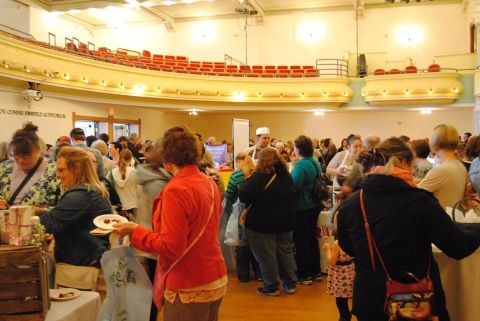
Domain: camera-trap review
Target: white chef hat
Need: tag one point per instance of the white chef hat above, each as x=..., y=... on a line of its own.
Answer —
x=262, y=131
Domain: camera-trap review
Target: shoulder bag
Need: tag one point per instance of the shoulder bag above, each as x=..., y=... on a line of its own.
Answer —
x=404, y=301
x=243, y=215
x=12, y=198
x=320, y=186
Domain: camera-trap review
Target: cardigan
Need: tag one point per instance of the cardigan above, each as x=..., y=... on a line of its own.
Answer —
x=180, y=211
x=304, y=174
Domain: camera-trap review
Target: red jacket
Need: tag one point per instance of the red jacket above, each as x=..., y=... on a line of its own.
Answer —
x=180, y=212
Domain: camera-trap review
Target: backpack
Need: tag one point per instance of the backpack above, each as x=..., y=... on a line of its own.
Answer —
x=320, y=187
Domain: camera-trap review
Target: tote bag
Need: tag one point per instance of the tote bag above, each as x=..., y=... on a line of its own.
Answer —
x=232, y=232
x=129, y=290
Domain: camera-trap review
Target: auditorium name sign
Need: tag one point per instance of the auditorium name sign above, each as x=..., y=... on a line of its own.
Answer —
x=16, y=112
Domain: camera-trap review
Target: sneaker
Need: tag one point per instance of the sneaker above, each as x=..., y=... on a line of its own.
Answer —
x=290, y=291
x=318, y=278
x=263, y=291
x=305, y=281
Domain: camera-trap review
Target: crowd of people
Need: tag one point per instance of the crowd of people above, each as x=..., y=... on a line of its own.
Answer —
x=171, y=193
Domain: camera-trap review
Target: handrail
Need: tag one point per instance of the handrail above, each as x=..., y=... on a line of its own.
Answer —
x=19, y=31
x=76, y=43
x=54, y=37
x=229, y=60
x=337, y=68
x=90, y=46
x=421, y=71
x=128, y=51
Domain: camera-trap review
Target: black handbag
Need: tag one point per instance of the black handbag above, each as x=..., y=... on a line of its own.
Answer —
x=320, y=187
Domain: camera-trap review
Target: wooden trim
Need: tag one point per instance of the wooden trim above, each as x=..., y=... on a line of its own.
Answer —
x=126, y=121
x=110, y=120
x=91, y=118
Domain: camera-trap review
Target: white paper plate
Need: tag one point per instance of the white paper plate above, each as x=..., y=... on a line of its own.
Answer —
x=64, y=294
x=107, y=221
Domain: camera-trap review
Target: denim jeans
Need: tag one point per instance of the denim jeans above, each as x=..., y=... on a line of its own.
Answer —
x=274, y=253
x=245, y=259
x=306, y=244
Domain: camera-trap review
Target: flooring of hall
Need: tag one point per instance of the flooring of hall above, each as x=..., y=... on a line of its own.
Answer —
x=310, y=303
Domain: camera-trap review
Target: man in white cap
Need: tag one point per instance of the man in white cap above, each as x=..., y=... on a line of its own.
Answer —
x=263, y=139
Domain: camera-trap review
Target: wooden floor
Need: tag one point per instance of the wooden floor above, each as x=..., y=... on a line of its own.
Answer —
x=310, y=303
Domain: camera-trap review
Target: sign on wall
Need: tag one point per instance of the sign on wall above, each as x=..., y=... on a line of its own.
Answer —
x=19, y=112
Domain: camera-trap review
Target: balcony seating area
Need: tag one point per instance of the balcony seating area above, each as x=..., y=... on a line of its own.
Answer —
x=171, y=63
x=408, y=70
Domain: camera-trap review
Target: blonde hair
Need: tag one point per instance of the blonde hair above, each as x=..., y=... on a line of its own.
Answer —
x=125, y=161
x=444, y=137
x=248, y=164
x=87, y=174
x=395, y=150
x=101, y=146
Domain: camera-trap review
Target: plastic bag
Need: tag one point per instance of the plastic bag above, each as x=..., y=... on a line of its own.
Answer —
x=233, y=233
x=129, y=290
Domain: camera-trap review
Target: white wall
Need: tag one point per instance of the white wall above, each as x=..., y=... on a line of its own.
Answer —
x=15, y=15
x=289, y=38
x=43, y=22
x=285, y=38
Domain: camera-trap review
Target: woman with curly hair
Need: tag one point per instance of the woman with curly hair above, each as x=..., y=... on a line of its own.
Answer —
x=270, y=221
x=185, y=229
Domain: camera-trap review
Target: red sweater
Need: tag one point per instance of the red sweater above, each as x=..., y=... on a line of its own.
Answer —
x=180, y=212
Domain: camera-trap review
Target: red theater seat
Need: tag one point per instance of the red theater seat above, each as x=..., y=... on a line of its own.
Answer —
x=378, y=72
x=411, y=70
x=434, y=68
x=394, y=72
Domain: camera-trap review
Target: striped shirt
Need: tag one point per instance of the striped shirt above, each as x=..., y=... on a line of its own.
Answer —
x=236, y=179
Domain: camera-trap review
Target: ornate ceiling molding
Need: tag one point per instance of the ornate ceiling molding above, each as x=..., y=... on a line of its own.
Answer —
x=412, y=89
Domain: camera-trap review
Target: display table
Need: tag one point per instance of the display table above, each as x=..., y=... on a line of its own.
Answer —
x=323, y=238
x=461, y=283
x=84, y=308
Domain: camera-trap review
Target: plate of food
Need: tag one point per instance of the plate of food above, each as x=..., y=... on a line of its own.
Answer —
x=64, y=294
x=107, y=221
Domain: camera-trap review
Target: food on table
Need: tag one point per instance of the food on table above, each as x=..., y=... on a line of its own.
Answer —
x=66, y=295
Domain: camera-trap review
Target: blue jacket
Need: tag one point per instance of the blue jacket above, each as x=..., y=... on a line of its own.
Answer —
x=71, y=222
x=304, y=174
x=474, y=173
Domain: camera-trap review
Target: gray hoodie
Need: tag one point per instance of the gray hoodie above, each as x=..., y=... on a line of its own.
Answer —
x=151, y=182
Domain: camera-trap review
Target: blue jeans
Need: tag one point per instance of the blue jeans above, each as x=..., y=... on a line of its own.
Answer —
x=274, y=253
x=244, y=260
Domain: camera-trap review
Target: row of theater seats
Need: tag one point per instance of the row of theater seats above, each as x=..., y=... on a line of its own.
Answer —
x=181, y=64
x=408, y=70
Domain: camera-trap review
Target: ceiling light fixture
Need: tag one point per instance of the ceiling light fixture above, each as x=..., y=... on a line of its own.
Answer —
x=26, y=68
x=168, y=3
x=193, y=113
x=66, y=76
x=319, y=113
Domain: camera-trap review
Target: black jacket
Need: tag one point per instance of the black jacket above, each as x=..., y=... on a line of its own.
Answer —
x=273, y=210
x=404, y=221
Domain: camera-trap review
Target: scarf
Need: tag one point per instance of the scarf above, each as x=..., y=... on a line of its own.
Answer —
x=398, y=172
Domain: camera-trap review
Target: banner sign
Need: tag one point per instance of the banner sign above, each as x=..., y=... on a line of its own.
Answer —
x=219, y=153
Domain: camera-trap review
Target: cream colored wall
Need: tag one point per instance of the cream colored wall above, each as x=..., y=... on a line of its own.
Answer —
x=281, y=38
x=15, y=15
x=283, y=125
x=154, y=122
x=337, y=125
x=43, y=22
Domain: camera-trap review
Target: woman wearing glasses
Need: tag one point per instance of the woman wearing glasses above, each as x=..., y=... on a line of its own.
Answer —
x=28, y=178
